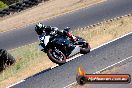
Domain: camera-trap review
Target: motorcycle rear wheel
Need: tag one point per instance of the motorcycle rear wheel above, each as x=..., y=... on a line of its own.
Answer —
x=85, y=49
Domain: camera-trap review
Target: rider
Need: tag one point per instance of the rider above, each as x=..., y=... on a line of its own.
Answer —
x=41, y=28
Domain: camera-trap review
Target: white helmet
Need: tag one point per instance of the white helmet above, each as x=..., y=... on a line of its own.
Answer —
x=40, y=25
x=39, y=28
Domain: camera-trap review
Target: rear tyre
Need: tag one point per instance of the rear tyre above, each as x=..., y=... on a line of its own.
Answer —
x=85, y=49
x=56, y=57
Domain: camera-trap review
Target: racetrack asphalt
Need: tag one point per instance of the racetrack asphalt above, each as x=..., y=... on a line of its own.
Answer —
x=79, y=18
x=96, y=60
x=122, y=69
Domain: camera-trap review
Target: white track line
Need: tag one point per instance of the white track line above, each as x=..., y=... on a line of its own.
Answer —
x=112, y=41
x=79, y=56
x=97, y=72
x=70, y=85
x=54, y=66
x=110, y=65
x=15, y=83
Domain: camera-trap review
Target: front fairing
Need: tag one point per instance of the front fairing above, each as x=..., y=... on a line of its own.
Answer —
x=63, y=44
x=61, y=41
x=41, y=38
x=44, y=40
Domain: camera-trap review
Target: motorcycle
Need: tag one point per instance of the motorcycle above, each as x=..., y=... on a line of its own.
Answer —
x=59, y=48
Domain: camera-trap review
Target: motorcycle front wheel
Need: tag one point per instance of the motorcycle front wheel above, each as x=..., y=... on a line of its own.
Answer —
x=56, y=56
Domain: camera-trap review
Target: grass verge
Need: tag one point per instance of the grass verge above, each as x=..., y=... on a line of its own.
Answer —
x=31, y=60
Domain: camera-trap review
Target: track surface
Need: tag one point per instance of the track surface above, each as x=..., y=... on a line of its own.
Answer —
x=79, y=18
x=124, y=69
x=96, y=60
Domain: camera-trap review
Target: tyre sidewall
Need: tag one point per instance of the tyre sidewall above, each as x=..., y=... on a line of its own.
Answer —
x=51, y=57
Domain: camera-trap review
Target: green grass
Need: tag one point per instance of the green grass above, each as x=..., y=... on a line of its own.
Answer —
x=6, y=3
x=3, y=5
x=9, y=2
x=26, y=56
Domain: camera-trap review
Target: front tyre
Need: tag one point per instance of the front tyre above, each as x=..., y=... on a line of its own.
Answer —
x=56, y=56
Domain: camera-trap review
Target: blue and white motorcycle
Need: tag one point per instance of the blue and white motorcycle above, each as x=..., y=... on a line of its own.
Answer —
x=60, y=47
